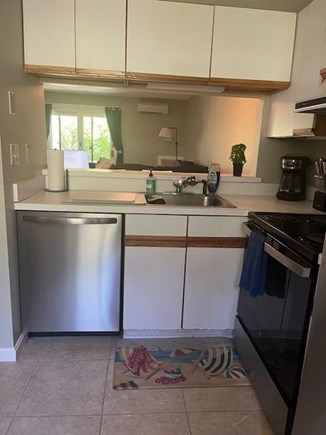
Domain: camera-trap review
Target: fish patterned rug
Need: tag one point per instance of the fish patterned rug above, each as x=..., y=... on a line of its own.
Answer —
x=166, y=363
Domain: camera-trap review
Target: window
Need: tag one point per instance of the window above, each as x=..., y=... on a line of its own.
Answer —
x=82, y=128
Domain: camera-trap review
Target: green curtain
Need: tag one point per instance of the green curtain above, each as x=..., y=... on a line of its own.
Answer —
x=48, y=113
x=113, y=116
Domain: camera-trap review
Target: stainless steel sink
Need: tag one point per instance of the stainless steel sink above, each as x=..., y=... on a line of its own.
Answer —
x=188, y=199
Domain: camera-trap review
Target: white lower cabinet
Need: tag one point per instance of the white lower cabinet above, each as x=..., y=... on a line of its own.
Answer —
x=214, y=258
x=153, y=287
x=155, y=248
x=211, y=288
x=182, y=272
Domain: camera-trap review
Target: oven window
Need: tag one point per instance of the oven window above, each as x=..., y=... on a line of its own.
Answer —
x=276, y=323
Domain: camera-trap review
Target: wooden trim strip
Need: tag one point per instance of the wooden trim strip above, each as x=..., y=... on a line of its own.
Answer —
x=217, y=242
x=100, y=74
x=182, y=242
x=156, y=241
x=166, y=78
x=250, y=85
x=52, y=70
x=230, y=84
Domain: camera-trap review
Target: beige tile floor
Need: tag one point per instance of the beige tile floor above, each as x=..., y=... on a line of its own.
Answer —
x=63, y=386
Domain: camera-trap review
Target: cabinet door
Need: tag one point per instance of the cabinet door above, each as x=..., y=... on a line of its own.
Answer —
x=49, y=32
x=310, y=83
x=169, y=38
x=100, y=34
x=211, y=288
x=283, y=120
x=212, y=273
x=153, y=287
x=252, y=44
x=154, y=271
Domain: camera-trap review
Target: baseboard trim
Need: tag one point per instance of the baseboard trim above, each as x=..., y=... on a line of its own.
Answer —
x=10, y=354
x=20, y=342
x=176, y=333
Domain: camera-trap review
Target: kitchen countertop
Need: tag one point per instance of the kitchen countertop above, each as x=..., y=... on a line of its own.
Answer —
x=53, y=201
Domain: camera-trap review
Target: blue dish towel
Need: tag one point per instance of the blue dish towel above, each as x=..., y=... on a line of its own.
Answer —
x=253, y=274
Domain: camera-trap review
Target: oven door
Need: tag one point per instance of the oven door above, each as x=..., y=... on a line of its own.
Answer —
x=277, y=320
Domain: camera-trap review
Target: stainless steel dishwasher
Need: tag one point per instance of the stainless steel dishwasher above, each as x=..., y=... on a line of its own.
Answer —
x=70, y=271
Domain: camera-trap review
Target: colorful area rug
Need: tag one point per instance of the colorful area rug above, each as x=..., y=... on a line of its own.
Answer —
x=175, y=363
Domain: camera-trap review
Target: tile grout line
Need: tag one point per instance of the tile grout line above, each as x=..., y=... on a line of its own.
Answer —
x=187, y=416
x=37, y=362
x=7, y=431
x=104, y=391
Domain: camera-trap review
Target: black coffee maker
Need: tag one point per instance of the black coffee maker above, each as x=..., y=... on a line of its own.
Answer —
x=293, y=180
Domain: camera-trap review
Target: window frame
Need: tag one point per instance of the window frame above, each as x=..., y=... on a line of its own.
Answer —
x=80, y=111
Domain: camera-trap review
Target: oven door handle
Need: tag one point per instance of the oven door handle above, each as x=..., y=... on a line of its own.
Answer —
x=298, y=269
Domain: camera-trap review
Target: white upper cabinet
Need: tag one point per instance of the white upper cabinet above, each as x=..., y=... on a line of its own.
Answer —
x=252, y=44
x=169, y=38
x=100, y=34
x=309, y=58
x=49, y=32
x=283, y=120
x=312, y=61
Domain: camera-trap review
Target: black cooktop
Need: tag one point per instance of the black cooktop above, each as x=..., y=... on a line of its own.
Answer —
x=304, y=234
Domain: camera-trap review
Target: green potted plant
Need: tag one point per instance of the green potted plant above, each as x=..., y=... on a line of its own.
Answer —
x=238, y=158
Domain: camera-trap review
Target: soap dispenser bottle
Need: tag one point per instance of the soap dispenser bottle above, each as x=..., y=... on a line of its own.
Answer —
x=150, y=183
x=213, y=178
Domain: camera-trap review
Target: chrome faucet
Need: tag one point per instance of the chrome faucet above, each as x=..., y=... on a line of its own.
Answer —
x=181, y=183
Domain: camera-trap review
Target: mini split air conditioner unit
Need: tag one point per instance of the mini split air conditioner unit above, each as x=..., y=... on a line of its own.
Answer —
x=161, y=108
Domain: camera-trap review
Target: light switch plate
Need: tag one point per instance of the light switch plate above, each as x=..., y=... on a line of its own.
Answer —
x=12, y=102
x=14, y=154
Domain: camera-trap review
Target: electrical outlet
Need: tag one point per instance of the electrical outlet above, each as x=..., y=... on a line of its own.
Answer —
x=28, y=152
x=14, y=154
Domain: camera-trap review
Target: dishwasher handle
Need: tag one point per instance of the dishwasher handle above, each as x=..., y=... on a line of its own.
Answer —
x=69, y=220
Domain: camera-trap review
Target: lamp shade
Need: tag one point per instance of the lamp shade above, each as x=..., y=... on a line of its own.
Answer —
x=167, y=134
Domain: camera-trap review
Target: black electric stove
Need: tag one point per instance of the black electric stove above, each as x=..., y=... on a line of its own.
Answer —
x=303, y=233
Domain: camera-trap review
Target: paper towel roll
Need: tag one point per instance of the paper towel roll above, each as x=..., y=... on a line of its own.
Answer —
x=56, y=177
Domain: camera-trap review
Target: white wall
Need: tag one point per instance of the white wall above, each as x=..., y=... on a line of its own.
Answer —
x=26, y=126
x=217, y=123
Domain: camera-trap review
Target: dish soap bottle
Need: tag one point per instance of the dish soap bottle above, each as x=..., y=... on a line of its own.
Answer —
x=213, y=178
x=150, y=183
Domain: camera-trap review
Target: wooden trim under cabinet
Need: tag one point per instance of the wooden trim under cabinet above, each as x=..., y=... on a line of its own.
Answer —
x=166, y=78
x=100, y=74
x=93, y=74
x=50, y=70
x=250, y=85
x=156, y=241
x=217, y=242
